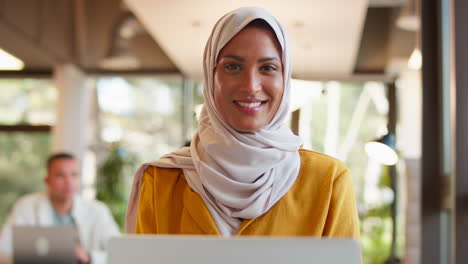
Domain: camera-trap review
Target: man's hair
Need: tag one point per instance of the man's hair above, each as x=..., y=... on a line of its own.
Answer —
x=57, y=156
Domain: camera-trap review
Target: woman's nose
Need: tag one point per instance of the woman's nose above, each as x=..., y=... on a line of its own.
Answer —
x=251, y=82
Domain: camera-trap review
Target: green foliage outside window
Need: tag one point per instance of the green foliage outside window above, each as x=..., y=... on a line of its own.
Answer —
x=376, y=227
x=23, y=155
x=27, y=101
x=376, y=223
x=112, y=187
x=22, y=167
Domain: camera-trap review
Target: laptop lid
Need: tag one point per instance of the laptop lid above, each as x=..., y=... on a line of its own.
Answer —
x=38, y=245
x=246, y=250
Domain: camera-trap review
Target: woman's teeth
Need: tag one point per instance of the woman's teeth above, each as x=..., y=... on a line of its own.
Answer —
x=249, y=105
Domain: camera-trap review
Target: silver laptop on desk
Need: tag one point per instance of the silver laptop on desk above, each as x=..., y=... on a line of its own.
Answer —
x=41, y=245
x=240, y=250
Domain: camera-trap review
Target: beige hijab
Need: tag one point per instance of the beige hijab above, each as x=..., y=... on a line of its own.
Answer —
x=238, y=175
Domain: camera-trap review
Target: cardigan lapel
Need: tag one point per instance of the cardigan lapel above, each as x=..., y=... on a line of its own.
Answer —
x=197, y=209
x=244, y=225
x=200, y=214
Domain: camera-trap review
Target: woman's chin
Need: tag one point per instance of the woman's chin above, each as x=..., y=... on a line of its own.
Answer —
x=246, y=128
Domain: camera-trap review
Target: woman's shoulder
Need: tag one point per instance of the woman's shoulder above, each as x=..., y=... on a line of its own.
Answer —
x=312, y=160
x=159, y=176
x=156, y=172
x=320, y=175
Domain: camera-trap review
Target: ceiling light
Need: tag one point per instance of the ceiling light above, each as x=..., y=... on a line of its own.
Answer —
x=10, y=62
x=383, y=150
x=408, y=19
x=415, y=60
x=409, y=23
x=121, y=55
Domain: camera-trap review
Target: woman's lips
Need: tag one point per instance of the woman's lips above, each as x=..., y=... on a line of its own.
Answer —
x=249, y=106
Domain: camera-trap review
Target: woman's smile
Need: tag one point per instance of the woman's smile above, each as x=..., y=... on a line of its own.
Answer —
x=250, y=106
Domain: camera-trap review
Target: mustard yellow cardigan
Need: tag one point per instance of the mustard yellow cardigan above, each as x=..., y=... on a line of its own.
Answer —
x=320, y=203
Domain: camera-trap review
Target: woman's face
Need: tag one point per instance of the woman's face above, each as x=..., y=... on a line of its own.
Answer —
x=248, y=79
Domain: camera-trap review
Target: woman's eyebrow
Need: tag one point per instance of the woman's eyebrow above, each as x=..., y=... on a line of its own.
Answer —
x=238, y=58
x=268, y=59
x=235, y=57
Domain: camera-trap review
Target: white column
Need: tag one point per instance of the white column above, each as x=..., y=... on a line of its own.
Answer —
x=333, y=118
x=71, y=127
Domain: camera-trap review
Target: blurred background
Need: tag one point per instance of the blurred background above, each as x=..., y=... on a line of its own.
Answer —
x=119, y=82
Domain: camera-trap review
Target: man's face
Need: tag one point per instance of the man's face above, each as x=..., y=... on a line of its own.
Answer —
x=63, y=179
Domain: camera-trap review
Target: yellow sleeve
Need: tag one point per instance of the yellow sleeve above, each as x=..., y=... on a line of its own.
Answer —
x=342, y=219
x=146, y=214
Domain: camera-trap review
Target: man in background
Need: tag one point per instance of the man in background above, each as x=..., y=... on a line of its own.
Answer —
x=61, y=206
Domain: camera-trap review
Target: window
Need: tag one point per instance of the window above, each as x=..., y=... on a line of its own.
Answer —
x=24, y=149
x=338, y=118
x=140, y=119
x=143, y=114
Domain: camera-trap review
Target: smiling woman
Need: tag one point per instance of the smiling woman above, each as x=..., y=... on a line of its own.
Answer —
x=248, y=78
x=244, y=172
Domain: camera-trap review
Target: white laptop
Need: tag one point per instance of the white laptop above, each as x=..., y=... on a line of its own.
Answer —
x=136, y=249
x=41, y=245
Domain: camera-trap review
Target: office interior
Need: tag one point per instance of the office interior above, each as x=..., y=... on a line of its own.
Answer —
x=119, y=82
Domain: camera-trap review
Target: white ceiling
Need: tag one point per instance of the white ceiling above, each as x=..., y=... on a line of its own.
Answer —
x=324, y=34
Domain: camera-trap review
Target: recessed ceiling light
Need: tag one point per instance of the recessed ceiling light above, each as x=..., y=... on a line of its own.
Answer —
x=298, y=24
x=196, y=23
x=9, y=62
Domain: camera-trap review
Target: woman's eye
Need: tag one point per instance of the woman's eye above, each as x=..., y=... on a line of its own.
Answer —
x=232, y=67
x=269, y=68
